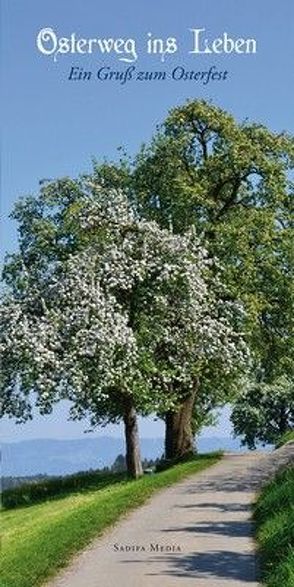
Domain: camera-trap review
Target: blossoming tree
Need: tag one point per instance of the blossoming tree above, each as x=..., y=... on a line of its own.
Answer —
x=120, y=317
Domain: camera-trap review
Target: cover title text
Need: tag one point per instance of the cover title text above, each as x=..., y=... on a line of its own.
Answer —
x=126, y=49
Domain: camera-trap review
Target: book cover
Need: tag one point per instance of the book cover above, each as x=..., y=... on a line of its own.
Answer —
x=146, y=304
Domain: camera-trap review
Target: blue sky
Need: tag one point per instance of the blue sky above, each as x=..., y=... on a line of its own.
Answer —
x=53, y=127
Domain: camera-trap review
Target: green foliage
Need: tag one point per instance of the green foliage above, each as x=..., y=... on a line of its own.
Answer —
x=39, y=540
x=30, y=493
x=263, y=412
x=231, y=182
x=274, y=516
x=205, y=169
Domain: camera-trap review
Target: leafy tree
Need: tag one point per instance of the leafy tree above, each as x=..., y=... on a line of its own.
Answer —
x=114, y=314
x=228, y=182
x=231, y=182
x=264, y=412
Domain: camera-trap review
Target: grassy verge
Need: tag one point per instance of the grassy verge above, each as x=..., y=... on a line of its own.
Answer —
x=285, y=438
x=58, y=487
x=38, y=540
x=274, y=516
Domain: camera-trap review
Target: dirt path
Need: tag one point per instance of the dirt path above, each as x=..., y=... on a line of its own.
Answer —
x=197, y=533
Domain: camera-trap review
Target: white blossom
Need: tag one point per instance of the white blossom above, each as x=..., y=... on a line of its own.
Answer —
x=134, y=312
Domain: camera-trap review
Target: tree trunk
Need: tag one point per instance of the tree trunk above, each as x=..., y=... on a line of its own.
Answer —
x=133, y=455
x=179, y=439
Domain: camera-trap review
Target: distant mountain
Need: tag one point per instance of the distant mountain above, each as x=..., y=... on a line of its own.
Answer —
x=61, y=457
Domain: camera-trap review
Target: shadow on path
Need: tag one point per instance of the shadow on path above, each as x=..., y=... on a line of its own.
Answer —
x=222, y=507
x=230, y=528
x=221, y=564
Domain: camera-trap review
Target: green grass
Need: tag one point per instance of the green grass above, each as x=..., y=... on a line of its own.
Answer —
x=285, y=438
x=31, y=493
x=40, y=539
x=274, y=516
